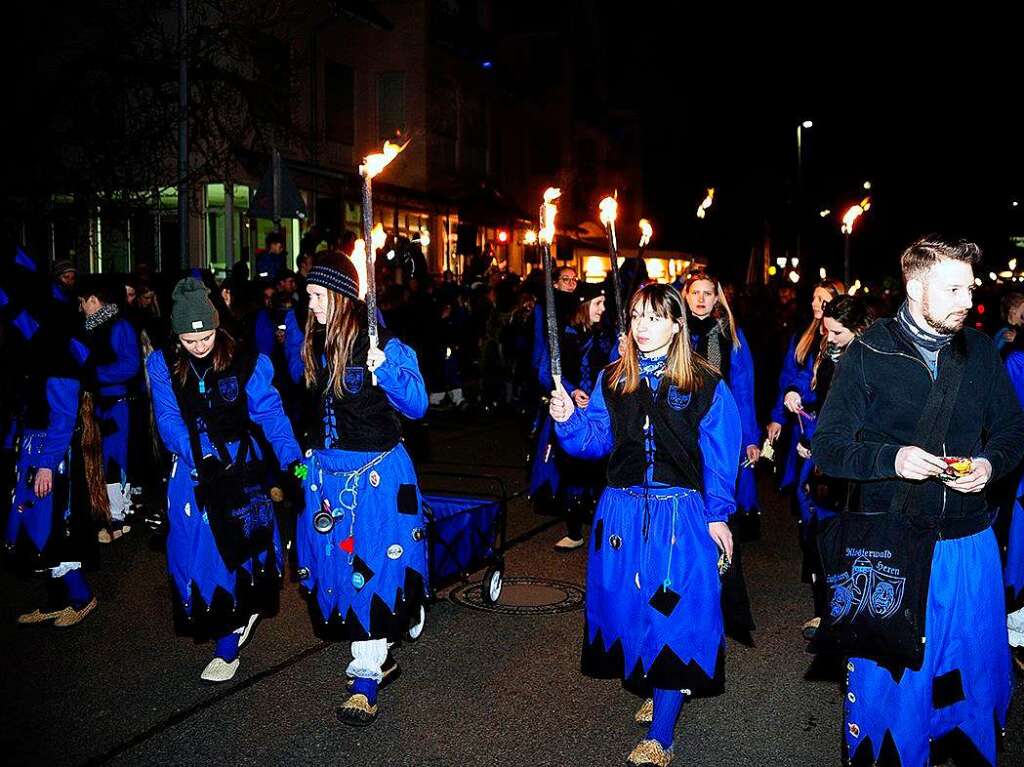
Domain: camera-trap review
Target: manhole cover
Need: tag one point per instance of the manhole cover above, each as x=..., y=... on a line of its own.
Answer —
x=523, y=595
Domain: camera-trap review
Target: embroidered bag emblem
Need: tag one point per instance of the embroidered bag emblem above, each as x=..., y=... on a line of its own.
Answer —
x=228, y=388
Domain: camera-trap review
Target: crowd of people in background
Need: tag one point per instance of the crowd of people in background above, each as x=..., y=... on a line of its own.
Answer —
x=123, y=406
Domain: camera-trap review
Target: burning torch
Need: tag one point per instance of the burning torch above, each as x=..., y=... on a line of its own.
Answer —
x=609, y=208
x=546, y=236
x=372, y=165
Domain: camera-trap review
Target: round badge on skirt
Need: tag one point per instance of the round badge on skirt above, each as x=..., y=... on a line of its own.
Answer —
x=395, y=551
x=614, y=541
x=374, y=479
x=418, y=534
x=358, y=580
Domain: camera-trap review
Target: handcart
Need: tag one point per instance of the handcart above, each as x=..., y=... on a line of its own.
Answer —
x=466, y=516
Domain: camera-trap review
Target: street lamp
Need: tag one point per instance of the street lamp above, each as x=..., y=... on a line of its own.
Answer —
x=800, y=128
x=849, y=218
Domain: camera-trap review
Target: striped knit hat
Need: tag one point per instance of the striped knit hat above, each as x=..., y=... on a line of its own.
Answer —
x=335, y=271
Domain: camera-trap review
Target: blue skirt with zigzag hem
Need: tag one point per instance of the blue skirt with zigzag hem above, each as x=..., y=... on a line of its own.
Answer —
x=1013, y=572
x=214, y=599
x=966, y=680
x=367, y=576
x=653, y=610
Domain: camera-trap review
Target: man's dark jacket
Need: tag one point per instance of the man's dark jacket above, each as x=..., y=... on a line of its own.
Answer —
x=878, y=394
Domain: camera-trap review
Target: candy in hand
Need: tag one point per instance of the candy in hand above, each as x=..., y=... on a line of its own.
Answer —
x=958, y=467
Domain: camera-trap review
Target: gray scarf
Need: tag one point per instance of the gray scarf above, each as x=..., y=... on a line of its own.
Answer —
x=103, y=314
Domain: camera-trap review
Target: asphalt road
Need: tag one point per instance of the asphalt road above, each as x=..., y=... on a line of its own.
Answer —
x=479, y=688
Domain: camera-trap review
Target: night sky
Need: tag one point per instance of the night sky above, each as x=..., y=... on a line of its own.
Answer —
x=929, y=117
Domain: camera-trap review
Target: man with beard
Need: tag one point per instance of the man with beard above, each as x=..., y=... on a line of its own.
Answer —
x=866, y=433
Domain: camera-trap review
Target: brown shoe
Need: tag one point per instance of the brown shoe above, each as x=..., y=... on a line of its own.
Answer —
x=357, y=711
x=645, y=714
x=38, y=616
x=69, y=616
x=649, y=753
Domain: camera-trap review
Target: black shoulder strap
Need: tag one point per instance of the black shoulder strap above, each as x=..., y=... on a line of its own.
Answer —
x=934, y=421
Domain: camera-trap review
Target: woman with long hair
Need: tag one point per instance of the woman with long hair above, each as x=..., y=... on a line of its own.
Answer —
x=715, y=336
x=797, y=371
x=819, y=497
x=660, y=539
x=60, y=495
x=362, y=549
x=586, y=347
x=211, y=399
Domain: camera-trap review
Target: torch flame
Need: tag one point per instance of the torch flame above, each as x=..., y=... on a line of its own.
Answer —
x=853, y=213
x=548, y=212
x=646, y=232
x=703, y=209
x=377, y=237
x=375, y=163
x=609, y=209
x=359, y=260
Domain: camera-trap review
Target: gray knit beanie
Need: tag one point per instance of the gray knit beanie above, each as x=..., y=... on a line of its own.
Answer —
x=192, y=312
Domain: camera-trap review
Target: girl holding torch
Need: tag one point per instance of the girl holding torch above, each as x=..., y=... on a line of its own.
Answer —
x=362, y=548
x=659, y=542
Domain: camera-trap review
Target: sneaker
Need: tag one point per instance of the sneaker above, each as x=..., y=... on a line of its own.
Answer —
x=39, y=615
x=357, y=711
x=650, y=753
x=569, y=544
x=810, y=629
x=390, y=669
x=645, y=714
x=219, y=670
x=69, y=616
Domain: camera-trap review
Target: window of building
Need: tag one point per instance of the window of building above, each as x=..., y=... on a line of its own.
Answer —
x=391, y=104
x=339, y=107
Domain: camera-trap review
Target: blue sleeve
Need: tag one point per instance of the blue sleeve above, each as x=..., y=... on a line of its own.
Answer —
x=786, y=377
x=265, y=409
x=401, y=380
x=541, y=352
x=263, y=333
x=169, y=421
x=538, y=337
x=741, y=383
x=125, y=343
x=719, y=441
x=588, y=432
x=293, y=341
x=1015, y=369
x=62, y=397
